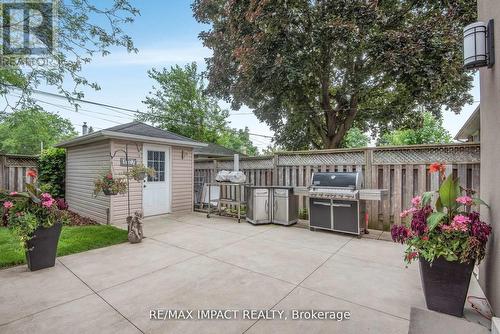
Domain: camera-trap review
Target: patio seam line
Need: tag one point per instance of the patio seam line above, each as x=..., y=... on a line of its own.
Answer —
x=203, y=227
x=148, y=273
x=383, y=264
x=97, y=294
x=219, y=229
x=295, y=287
x=229, y=263
x=305, y=247
x=222, y=261
x=172, y=264
x=211, y=250
x=352, y=302
x=45, y=309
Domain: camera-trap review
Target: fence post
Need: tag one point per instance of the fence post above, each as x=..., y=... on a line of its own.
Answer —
x=275, y=169
x=368, y=181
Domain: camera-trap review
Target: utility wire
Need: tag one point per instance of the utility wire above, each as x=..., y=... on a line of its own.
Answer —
x=109, y=106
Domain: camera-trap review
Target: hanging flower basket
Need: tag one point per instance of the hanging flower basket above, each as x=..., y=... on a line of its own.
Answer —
x=140, y=172
x=110, y=185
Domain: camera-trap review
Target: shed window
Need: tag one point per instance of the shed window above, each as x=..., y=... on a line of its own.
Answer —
x=156, y=160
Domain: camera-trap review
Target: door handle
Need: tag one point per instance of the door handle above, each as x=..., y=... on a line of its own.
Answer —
x=339, y=205
x=266, y=205
x=321, y=203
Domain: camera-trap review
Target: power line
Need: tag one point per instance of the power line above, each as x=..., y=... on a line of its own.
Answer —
x=107, y=106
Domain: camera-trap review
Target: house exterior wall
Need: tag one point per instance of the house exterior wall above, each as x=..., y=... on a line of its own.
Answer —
x=182, y=179
x=83, y=164
x=489, y=274
x=118, y=203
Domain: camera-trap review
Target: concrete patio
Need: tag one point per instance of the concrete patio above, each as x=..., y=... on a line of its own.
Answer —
x=191, y=262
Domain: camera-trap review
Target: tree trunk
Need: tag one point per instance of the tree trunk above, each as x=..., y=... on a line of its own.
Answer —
x=337, y=127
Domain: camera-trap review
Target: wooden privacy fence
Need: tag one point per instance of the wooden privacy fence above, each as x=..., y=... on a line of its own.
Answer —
x=13, y=171
x=403, y=171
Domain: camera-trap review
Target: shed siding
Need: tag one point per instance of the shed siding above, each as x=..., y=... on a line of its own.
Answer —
x=119, y=210
x=83, y=164
x=182, y=179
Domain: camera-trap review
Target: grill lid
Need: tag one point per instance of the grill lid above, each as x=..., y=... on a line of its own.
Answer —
x=349, y=180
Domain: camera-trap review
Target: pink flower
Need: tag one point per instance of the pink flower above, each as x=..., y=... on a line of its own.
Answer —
x=13, y=193
x=416, y=200
x=465, y=200
x=46, y=197
x=460, y=223
x=8, y=204
x=48, y=203
x=461, y=219
x=407, y=212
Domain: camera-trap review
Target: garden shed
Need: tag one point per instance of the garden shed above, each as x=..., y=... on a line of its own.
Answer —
x=91, y=155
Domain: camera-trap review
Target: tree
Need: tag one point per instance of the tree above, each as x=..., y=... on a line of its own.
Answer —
x=83, y=30
x=313, y=69
x=238, y=140
x=178, y=104
x=431, y=131
x=23, y=131
x=355, y=137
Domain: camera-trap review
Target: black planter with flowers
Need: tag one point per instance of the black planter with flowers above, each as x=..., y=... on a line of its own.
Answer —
x=447, y=238
x=445, y=284
x=35, y=219
x=42, y=247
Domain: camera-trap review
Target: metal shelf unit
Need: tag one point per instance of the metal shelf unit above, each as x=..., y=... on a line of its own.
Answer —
x=237, y=200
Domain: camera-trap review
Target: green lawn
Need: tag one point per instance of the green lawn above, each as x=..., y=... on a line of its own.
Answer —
x=74, y=239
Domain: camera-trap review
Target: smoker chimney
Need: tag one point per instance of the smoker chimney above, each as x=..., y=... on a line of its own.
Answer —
x=84, y=128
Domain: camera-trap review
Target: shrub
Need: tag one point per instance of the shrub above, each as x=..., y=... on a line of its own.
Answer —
x=51, y=171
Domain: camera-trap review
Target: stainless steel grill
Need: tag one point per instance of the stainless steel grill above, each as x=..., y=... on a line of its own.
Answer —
x=334, y=202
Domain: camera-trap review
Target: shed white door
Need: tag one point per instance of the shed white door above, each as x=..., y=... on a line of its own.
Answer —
x=156, y=192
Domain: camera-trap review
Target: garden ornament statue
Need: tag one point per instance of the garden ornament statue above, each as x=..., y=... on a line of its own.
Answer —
x=134, y=223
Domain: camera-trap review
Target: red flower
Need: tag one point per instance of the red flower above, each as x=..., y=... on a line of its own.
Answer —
x=31, y=173
x=109, y=176
x=436, y=167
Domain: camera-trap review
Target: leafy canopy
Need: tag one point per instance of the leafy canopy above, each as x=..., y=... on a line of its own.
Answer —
x=313, y=69
x=431, y=131
x=178, y=103
x=355, y=137
x=21, y=132
x=84, y=29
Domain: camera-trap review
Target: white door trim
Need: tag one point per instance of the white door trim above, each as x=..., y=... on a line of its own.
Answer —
x=168, y=174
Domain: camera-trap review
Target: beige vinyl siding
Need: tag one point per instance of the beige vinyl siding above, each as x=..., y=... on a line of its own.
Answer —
x=182, y=179
x=119, y=209
x=83, y=164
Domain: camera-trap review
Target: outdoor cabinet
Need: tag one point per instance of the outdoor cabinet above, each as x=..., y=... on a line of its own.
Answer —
x=268, y=204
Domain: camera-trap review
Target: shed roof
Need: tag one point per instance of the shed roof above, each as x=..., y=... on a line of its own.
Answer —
x=215, y=150
x=471, y=125
x=135, y=131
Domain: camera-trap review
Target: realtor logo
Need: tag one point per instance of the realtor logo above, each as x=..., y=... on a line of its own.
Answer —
x=28, y=27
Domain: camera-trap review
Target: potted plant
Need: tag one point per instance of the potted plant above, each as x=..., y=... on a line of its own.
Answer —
x=34, y=217
x=447, y=238
x=109, y=185
x=139, y=172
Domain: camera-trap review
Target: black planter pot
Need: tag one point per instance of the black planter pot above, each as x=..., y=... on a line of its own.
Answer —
x=445, y=285
x=43, y=247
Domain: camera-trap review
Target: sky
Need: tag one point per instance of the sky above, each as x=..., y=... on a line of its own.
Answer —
x=165, y=34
